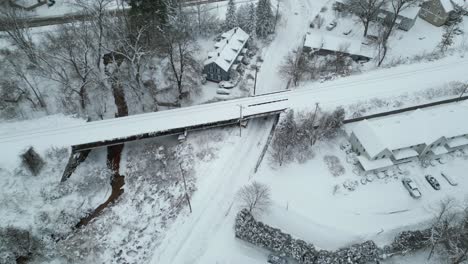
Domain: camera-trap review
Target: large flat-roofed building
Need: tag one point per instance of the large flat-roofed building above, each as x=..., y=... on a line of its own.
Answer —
x=424, y=133
x=322, y=43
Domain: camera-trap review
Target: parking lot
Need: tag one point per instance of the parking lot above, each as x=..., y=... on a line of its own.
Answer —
x=377, y=206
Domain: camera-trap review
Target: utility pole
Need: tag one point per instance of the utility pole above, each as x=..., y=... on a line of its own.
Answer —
x=313, y=123
x=464, y=91
x=185, y=187
x=277, y=15
x=255, y=83
x=240, y=120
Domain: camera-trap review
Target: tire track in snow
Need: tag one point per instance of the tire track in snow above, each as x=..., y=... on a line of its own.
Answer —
x=195, y=234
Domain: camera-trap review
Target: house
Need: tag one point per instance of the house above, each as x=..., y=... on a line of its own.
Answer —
x=439, y=12
x=28, y=5
x=383, y=142
x=405, y=20
x=325, y=44
x=228, y=53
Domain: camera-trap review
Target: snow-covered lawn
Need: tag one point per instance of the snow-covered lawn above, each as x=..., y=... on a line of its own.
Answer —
x=42, y=204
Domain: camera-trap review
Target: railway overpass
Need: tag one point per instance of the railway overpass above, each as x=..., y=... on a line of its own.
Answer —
x=115, y=131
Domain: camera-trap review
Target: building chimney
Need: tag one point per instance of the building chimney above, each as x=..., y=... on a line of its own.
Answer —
x=235, y=30
x=219, y=54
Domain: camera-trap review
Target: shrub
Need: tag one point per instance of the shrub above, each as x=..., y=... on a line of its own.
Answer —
x=334, y=165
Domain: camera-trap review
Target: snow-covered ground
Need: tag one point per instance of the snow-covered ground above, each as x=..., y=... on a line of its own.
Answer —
x=62, y=8
x=421, y=39
x=137, y=228
x=330, y=216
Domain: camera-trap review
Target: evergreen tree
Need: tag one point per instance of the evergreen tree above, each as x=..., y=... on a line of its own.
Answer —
x=231, y=17
x=151, y=16
x=144, y=12
x=252, y=22
x=243, y=16
x=265, y=18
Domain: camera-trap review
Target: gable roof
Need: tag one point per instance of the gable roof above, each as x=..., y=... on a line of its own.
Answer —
x=369, y=138
x=228, y=48
x=422, y=126
x=411, y=11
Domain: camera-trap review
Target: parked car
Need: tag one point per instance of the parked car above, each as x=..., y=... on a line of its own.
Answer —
x=223, y=91
x=331, y=26
x=433, y=182
x=346, y=33
x=276, y=259
x=449, y=179
x=226, y=85
x=411, y=187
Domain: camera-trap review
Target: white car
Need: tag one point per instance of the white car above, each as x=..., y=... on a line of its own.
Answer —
x=226, y=85
x=223, y=91
x=449, y=179
x=411, y=187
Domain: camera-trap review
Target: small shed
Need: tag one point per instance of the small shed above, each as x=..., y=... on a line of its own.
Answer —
x=405, y=20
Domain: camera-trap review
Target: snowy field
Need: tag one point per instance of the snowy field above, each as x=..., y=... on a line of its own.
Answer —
x=151, y=222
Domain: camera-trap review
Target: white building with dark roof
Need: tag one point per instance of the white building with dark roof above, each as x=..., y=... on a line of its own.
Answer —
x=383, y=142
x=322, y=43
x=228, y=53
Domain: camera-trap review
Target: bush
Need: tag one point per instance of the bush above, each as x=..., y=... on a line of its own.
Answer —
x=17, y=243
x=334, y=165
x=259, y=234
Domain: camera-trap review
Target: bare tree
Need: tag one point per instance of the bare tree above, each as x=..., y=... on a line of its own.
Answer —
x=255, y=197
x=14, y=23
x=284, y=140
x=21, y=73
x=449, y=232
x=447, y=37
x=366, y=10
x=294, y=66
x=70, y=59
x=441, y=224
x=178, y=46
x=396, y=7
x=310, y=126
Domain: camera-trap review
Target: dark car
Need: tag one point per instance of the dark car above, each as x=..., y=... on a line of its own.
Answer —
x=433, y=182
x=276, y=259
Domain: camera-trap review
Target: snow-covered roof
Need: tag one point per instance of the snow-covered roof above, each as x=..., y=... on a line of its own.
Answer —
x=422, y=126
x=369, y=165
x=439, y=150
x=404, y=153
x=368, y=138
x=447, y=5
x=320, y=40
x=461, y=3
x=457, y=142
x=228, y=48
x=408, y=12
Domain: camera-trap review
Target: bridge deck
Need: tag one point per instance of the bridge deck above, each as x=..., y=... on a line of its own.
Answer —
x=112, y=131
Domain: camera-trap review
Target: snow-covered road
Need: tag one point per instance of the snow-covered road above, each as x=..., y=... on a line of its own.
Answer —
x=200, y=238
